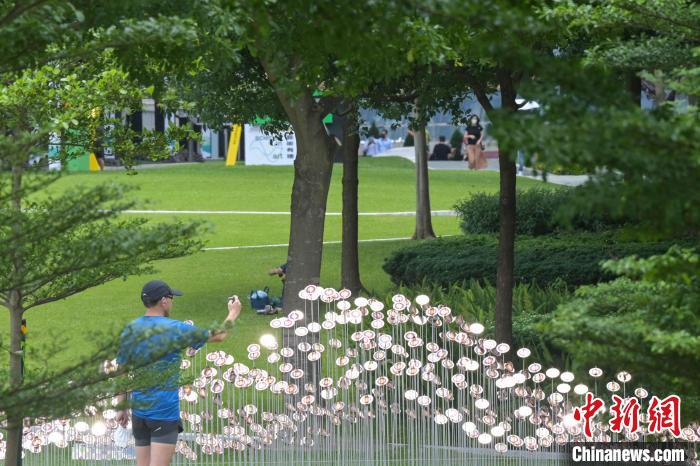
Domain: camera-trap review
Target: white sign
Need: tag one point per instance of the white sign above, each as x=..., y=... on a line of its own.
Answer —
x=269, y=149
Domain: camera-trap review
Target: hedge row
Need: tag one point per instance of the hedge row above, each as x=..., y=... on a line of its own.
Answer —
x=575, y=259
x=537, y=213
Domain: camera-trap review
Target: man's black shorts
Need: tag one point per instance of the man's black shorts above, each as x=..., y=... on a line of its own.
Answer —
x=147, y=431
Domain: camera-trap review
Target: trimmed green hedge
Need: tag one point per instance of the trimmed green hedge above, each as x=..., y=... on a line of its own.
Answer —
x=575, y=259
x=537, y=212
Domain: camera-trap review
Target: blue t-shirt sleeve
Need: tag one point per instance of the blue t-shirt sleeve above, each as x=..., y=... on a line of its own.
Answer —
x=191, y=335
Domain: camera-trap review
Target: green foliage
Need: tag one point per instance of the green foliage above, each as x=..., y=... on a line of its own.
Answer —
x=645, y=322
x=573, y=259
x=532, y=305
x=456, y=139
x=538, y=212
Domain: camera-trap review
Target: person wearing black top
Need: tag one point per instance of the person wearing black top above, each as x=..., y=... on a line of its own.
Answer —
x=472, y=139
x=441, y=151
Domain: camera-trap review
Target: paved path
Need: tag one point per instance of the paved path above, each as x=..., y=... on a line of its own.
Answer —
x=408, y=154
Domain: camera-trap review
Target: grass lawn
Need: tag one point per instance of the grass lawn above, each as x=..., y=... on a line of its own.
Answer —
x=208, y=277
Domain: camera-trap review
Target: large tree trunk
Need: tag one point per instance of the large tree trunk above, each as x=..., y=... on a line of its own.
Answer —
x=13, y=454
x=350, y=261
x=506, y=238
x=506, y=250
x=424, y=225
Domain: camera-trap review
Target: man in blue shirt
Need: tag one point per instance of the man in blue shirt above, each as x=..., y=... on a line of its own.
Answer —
x=384, y=142
x=154, y=342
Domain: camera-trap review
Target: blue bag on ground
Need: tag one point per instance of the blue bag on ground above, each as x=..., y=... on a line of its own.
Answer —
x=260, y=298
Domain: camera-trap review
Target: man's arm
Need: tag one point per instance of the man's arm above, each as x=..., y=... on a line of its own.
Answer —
x=234, y=310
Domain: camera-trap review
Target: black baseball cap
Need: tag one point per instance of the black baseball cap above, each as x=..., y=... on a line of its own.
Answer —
x=156, y=289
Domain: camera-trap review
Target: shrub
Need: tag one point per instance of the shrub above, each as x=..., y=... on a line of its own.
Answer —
x=537, y=213
x=456, y=139
x=574, y=259
x=645, y=322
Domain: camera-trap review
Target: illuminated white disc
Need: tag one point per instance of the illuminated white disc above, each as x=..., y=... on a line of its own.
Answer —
x=471, y=365
x=556, y=398
x=441, y=419
x=327, y=324
x=613, y=386
x=377, y=324
x=314, y=327
x=595, y=372
x=525, y=411
x=361, y=302
x=276, y=323
x=503, y=348
x=624, y=377
x=98, y=429
x=344, y=293
x=539, y=377
x=563, y=388
x=481, y=403
x=497, y=431
x=343, y=305
x=422, y=300
x=523, y=353
x=469, y=427
x=411, y=395
x=542, y=432
x=301, y=331
x=304, y=346
x=642, y=393
x=376, y=306
x=268, y=341
x=534, y=367
x=476, y=328
x=552, y=372
x=423, y=400
x=580, y=389
x=567, y=377
x=519, y=378
x=370, y=365
x=81, y=427
x=489, y=344
x=484, y=438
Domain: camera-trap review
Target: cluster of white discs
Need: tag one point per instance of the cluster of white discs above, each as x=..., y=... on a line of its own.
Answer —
x=362, y=362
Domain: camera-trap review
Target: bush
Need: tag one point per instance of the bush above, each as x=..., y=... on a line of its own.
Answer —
x=537, y=213
x=574, y=259
x=456, y=139
x=645, y=322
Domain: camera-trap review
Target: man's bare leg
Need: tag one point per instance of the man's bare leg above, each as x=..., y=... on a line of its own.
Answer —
x=161, y=454
x=143, y=456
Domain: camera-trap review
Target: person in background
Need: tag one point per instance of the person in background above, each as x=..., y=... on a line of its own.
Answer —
x=473, y=138
x=384, y=142
x=155, y=342
x=441, y=151
x=372, y=147
x=281, y=272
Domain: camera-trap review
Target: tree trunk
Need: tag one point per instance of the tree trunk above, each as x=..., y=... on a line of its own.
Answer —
x=634, y=87
x=506, y=250
x=659, y=88
x=350, y=261
x=424, y=225
x=506, y=238
x=13, y=454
